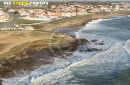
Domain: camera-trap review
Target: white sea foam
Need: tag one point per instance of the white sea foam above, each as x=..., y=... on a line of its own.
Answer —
x=115, y=58
x=127, y=46
x=128, y=15
x=93, y=25
x=118, y=17
x=96, y=30
x=45, y=70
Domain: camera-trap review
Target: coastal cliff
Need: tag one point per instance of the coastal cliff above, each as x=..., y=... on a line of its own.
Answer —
x=30, y=57
x=82, y=20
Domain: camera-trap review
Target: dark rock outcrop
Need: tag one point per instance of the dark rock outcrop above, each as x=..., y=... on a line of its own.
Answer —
x=99, y=43
x=94, y=40
x=1, y=66
x=0, y=82
x=92, y=49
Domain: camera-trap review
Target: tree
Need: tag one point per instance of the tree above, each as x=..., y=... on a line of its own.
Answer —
x=76, y=10
x=16, y=12
x=7, y=8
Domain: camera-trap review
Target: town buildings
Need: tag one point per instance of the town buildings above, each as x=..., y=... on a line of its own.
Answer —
x=3, y=16
x=57, y=11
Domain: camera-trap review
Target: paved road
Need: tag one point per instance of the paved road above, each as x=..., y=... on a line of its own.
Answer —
x=11, y=23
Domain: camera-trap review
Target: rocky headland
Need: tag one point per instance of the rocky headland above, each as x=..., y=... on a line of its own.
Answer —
x=38, y=54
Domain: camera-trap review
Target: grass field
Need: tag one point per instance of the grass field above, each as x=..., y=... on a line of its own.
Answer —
x=13, y=38
x=13, y=42
x=19, y=34
x=23, y=21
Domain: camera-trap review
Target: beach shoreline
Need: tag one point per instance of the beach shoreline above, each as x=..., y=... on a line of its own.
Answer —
x=29, y=55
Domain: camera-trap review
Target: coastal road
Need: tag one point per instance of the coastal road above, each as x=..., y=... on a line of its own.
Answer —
x=14, y=19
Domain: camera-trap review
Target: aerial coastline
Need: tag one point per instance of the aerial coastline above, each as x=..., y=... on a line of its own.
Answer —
x=27, y=53
x=29, y=49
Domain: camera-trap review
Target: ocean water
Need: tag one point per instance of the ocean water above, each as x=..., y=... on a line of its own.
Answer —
x=109, y=66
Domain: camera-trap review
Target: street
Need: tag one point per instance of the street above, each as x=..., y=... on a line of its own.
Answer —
x=11, y=23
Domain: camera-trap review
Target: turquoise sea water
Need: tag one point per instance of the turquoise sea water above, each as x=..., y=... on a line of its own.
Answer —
x=110, y=66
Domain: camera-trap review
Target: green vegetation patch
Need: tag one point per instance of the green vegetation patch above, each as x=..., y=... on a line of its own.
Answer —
x=14, y=50
x=18, y=34
x=43, y=31
x=36, y=33
x=20, y=47
x=45, y=41
x=17, y=49
x=24, y=21
x=3, y=32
